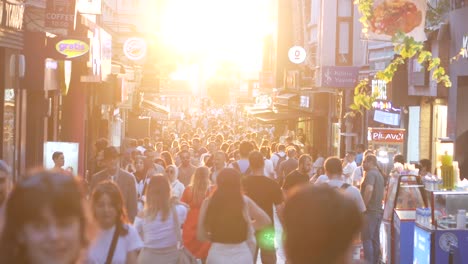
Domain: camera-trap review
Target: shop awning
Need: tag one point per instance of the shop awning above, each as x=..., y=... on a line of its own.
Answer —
x=285, y=99
x=154, y=107
x=273, y=117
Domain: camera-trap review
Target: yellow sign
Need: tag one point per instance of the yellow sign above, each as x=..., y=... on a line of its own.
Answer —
x=72, y=48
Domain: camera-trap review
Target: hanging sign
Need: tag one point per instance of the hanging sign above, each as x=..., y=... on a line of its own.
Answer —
x=59, y=14
x=72, y=48
x=387, y=135
x=13, y=12
x=135, y=48
x=297, y=54
x=392, y=16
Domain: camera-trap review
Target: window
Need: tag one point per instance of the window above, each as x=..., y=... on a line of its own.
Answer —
x=344, y=37
x=315, y=12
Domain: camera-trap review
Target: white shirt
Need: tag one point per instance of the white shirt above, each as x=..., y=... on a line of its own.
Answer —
x=322, y=179
x=318, y=163
x=177, y=189
x=357, y=175
x=97, y=253
x=269, y=170
x=274, y=158
x=348, y=171
x=351, y=191
x=158, y=234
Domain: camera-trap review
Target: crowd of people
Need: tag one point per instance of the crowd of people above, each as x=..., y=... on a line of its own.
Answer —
x=211, y=196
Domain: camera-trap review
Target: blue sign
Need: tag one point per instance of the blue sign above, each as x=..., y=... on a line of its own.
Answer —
x=339, y=76
x=422, y=246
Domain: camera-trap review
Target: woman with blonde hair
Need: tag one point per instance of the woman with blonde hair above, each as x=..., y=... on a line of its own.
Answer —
x=199, y=188
x=159, y=223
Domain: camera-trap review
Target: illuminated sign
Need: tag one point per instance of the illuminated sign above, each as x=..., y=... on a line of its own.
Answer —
x=13, y=13
x=72, y=48
x=263, y=100
x=379, y=87
x=297, y=54
x=135, y=48
x=386, y=135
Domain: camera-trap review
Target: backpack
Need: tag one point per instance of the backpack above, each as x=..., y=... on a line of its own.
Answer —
x=280, y=159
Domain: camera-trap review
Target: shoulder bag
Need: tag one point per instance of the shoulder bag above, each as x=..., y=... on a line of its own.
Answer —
x=185, y=257
x=113, y=245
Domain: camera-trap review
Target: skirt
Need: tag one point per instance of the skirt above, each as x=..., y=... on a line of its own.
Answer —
x=168, y=255
x=229, y=253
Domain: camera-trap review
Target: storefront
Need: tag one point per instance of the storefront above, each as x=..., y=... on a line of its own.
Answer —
x=11, y=71
x=457, y=122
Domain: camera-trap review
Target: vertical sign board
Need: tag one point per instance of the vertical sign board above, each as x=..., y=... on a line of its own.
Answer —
x=70, y=152
x=60, y=14
x=106, y=54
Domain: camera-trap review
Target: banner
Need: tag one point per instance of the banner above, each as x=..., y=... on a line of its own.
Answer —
x=392, y=16
x=92, y=7
x=59, y=14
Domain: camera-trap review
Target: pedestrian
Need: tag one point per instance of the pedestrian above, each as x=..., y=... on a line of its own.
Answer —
x=123, y=179
x=334, y=172
x=159, y=223
x=167, y=157
x=45, y=221
x=59, y=160
x=320, y=224
x=242, y=165
x=359, y=154
x=219, y=163
x=372, y=191
x=300, y=175
x=117, y=241
x=266, y=193
x=186, y=169
x=225, y=221
x=177, y=187
x=288, y=165
x=199, y=189
x=349, y=165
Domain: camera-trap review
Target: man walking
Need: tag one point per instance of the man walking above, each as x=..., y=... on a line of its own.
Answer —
x=123, y=179
x=300, y=175
x=186, y=169
x=372, y=191
x=266, y=193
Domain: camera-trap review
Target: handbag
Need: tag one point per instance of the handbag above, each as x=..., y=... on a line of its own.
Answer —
x=185, y=257
x=113, y=245
x=251, y=240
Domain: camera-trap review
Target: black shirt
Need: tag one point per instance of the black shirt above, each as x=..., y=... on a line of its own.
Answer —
x=264, y=191
x=295, y=178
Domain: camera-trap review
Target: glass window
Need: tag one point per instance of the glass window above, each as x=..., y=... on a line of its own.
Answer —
x=344, y=8
x=344, y=29
x=315, y=12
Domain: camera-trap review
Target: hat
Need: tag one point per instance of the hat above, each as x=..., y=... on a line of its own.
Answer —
x=110, y=153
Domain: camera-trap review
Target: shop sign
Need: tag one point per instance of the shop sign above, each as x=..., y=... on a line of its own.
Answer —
x=379, y=87
x=13, y=13
x=59, y=14
x=263, y=101
x=135, y=48
x=465, y=47
x=72, y=48
x=386, y=135
x=92, y=7
x=297, y=54
x=340, y=76
x=383, y=117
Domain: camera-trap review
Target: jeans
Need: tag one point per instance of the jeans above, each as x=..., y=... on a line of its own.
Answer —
x=370, y=236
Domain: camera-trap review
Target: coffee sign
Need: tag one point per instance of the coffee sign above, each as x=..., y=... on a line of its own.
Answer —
x=59, y=14
x=72, y=48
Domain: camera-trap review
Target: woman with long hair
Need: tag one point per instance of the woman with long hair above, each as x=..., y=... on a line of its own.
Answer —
x=46, y=221
x=167, y=157
x=225, y=221
x=194, y=194
x=114, y=230
x=158, y=223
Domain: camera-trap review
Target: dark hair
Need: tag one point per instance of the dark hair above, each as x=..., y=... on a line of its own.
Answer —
x=281, y=147
x=256, y=160
x=372, y=158
x=112, y=190
x=160, y=162
x=245, y=148
x=399, y=158
x=224, y=215
x=61, y=193
x=265, y=150
x=425, y=163
x=167, y=157
x=320, y=224
x=56, y=154
x=101, y=144
x=333, y=166
x=303, y=158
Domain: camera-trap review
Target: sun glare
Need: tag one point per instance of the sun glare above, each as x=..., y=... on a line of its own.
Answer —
x=218, y=30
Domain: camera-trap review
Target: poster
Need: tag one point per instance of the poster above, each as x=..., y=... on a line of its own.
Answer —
x=392, y=16
x=70, y=152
